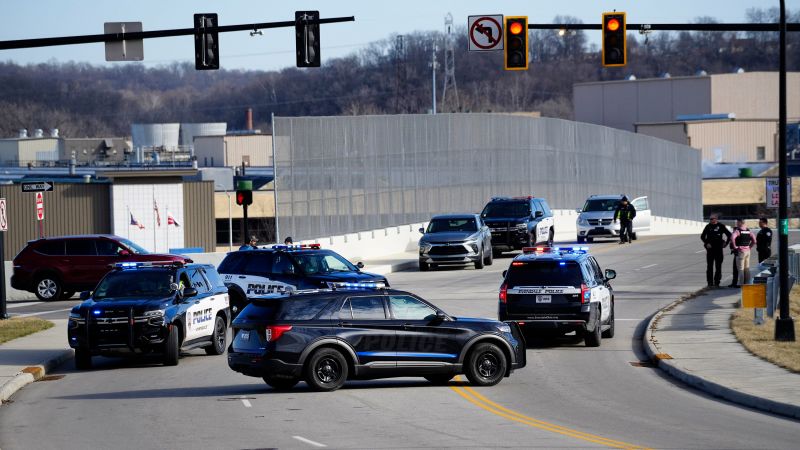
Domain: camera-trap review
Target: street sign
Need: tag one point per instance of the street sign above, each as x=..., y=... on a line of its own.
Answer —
x=3, y=217
x=39, y=206
x=485, y=32
x=128, y=49
x=773, y=193
x=37, y=186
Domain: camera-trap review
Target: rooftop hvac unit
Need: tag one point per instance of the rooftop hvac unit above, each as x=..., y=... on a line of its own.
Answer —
x=23, y=133
x=38, y=133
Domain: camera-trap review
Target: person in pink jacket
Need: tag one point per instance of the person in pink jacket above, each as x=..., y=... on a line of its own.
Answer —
x=742, y=240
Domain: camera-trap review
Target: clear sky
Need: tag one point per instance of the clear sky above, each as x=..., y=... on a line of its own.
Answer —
x=274, y=49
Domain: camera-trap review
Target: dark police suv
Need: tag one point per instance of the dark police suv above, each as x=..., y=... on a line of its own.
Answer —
x=559, y=289
x=283, y=268
x=330, y=336
x=517, y=222
x=151, y=308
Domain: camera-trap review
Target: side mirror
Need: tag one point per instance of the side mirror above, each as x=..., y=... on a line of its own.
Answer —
x=538, y=214
x=85, y=295
x=440, y=316
x=124, y=253
x=610, y=274
x=189, y=292
x=504, y=273
x=360, y=265
x=422, y=230
x=578, y=210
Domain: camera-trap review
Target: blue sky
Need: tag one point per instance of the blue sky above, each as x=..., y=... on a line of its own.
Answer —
x=375, y=20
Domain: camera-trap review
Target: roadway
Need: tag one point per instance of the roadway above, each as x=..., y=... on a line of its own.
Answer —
x=568, y=396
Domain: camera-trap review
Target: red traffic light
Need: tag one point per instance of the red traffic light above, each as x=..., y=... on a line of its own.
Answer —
x=515, y=28
x=612, y=25
x=244, y=197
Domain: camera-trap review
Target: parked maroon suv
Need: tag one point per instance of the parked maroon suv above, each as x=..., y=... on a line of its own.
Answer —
x=55, y=268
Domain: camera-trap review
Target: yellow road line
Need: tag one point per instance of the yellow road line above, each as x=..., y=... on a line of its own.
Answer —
x=484, y=403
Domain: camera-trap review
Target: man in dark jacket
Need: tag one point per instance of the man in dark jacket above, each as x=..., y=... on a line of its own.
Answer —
x=715, y=237
x=625, y=213
x=763, y=240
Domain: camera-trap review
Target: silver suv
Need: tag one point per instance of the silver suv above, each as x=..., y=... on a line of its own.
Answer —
x=596, y=218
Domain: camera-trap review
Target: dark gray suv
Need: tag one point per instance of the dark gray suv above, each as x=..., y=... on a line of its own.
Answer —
x=455, y=239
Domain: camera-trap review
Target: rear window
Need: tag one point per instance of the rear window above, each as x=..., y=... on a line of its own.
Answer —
x=232, y=263
x=284, y=309
x=53, y=248
x=545, y=273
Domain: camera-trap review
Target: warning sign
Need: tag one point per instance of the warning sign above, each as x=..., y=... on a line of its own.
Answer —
x=485, y=32
x=39, y=206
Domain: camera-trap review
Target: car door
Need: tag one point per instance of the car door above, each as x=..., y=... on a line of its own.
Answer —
x=200, y=312
x=108, y=252
x=422, y=340
x=218, y=294
x=643, y=216
x=601, y=287
x=363, y=320
x=80, y=264
x=285, y=272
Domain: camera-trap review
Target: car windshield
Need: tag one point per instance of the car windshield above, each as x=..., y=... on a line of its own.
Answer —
x=134, y=283
x=545, y=273
x=507, y=209
x=445, y=225
x=135, y=249
x=322, y=262
x=594, y=205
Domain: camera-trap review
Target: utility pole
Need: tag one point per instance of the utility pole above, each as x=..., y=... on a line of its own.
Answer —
x=449, y=63
x=433, y=83
x=401, y=74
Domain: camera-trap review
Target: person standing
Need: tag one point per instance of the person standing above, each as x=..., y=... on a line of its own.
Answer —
x=625, y=213
x=252, y=244
x=763, y=240
x=742, y=240
x=715, y=237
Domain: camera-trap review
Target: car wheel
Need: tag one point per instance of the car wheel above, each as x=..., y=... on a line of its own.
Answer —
x=424, y=267
x=550, y=238
x=609, y=333
x=581, y=239
x=281, y=384
x=489, y=259
x=486, y=365
x=83, y=359
x=589, y=240
x=592, y=338
x=48, y=287
x=326, y=370
x=479, y=261
x=172, y=349
x=439, y=379
x=66, y=295
x=219, y=338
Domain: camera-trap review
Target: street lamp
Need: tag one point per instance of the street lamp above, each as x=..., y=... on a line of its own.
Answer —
x=230, y=218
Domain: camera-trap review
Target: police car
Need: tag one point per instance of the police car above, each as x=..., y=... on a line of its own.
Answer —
x=518, y=222
x=280, y=269
x=151, y=307
x=559, y=289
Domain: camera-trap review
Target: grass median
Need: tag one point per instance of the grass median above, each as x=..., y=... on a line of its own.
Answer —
x=22, y=326
x=760, y=339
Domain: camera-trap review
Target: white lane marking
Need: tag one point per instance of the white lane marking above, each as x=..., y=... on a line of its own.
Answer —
x=649, y=266
x=41, y=313
x=629, y=320
x=309, y=441
x=21, y=304
x=701, y=251
x=246, y=402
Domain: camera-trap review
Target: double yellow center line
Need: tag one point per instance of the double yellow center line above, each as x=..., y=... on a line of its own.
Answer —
x=484, y=403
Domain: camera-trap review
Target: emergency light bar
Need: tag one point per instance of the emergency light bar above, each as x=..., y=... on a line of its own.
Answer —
x=144, y=264
x=562, y=250
x=296, y=247
x=361, y=285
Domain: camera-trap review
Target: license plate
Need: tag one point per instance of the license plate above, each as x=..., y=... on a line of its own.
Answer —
x=599, y=229
x=245, y=335
x=543, y=299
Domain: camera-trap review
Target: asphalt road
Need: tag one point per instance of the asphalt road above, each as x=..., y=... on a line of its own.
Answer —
x=568, y=396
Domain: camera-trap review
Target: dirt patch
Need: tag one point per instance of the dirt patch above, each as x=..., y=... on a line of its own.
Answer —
x=23, y=326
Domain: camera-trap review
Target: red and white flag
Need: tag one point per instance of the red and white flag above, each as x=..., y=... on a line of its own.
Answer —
x=171, y=220
x=136, y=223
x=158, y=215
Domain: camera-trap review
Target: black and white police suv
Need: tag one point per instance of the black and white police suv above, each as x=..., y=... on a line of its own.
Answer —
x=559, y=289
x=151, y=307
x=279, y=269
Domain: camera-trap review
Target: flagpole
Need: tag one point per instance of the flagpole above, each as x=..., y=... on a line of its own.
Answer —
x=155, y=237
x=128, y=221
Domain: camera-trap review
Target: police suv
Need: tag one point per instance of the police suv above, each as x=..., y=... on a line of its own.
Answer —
x=151, y=307
x=280, y=269
x=559, y=289
x=518, y=222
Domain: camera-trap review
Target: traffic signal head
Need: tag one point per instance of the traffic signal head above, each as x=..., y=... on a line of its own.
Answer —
x=244, y=197
x=206, y=44
x=307, y=38
x=614, y=49
x=516, y=43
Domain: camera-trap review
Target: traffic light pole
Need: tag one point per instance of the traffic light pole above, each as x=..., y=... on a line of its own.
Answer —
x=643, y=27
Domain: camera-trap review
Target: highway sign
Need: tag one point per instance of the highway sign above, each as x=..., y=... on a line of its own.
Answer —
x=485, y=32
x=773, y=193
x=37, y=186
x=39, y=206
x=3, y=217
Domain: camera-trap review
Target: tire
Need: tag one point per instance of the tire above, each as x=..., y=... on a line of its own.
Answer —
x=219, y=338
x=424, y=267
x=326, y=370
x=486, y=365
x=439, y=379
x=47, y=288
x=66, y=295
x=479, y=261
x=609, y=333
x=281, y=384
x=237, y=304
x=550, y=237
x=489, y=259
x=593, y=338
x=589, y=240
x=531, y=241
x=172, y=349
x=83, y=359
x=581, y=239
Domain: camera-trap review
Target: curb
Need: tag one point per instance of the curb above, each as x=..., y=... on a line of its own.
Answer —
x=33, y=373
x=385, y=269
x=717, y=390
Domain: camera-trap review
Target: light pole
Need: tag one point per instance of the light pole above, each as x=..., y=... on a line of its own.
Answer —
x=230, y=219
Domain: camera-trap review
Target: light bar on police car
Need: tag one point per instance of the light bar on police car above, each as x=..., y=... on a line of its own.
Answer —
x=296, y=247
x=529, y=250
x=142, y=264
x=359, y=285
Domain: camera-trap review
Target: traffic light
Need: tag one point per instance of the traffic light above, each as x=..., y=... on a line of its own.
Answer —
x=614, y=51
x=206, y=44
x=244, y=198
x=307, y=38
x=516, y=46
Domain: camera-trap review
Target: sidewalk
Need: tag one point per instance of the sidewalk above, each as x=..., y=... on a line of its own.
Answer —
x=692, y=341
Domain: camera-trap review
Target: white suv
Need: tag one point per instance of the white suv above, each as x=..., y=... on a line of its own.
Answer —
x=596, y=218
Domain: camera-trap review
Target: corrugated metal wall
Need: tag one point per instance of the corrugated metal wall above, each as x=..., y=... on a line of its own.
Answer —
x=198, y=210
x=734, y=141
x=338, y=175
x=69, y=209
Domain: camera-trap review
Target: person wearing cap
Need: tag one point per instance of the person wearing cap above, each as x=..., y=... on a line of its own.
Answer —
x=715, y=237
x=251, y=245
x=625, y=213
x=288, y=240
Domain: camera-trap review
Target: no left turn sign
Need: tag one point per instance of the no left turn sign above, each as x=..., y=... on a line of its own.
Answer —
x=485, y=32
